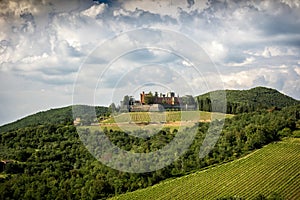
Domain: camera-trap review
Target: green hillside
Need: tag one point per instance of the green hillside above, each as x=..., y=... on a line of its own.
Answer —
x=272, y=169
x=51, y=162
x=47, y=159
x=53, y=116
x=239, y=101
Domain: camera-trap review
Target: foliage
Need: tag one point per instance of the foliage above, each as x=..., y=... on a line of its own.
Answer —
x=240, y=101
x=273, y=196
x=53, y=116
x=188, y=99
x=149, y=98
x=257, y=176
x=50, y=161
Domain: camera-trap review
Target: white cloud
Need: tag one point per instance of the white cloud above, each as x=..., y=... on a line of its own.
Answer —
x=215, y=50
x=273, y=51
x=32, y=59
x=297, y=70
x=121, y=12
x=44, y=42
x=274, y=55
x=185, y=63
x=94, y=10
x=247, y=61
x=170, y=8
x=291, y=3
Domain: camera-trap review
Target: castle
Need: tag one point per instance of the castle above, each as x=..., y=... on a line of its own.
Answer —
x=158, y=102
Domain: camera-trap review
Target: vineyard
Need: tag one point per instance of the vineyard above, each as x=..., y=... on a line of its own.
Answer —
x=164, y=117
x=274, y=168
x=158, y=120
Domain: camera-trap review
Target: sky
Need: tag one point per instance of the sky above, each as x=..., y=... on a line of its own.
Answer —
x=51, y=49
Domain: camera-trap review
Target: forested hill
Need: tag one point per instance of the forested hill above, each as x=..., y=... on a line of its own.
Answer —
x=239, y=101
x=51, y=162
x=53, y=116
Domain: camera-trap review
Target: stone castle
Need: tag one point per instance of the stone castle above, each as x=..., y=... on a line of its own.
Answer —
x=158, y=102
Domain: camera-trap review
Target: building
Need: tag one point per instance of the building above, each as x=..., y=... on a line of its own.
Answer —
x=161, y=99
x=150, y=102
x=157, y=102
x=77, y=121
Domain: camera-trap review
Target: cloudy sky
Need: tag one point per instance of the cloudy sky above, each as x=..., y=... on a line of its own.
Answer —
x=48, y=46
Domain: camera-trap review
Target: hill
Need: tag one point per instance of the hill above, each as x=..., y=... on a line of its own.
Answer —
x=51, y=162
x=62, y=115
x=274, y=168
x=239, y=101
x=47, y=159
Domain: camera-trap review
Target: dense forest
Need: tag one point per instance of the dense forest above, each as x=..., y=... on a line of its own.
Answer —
x=240, y=101
x=49, y=161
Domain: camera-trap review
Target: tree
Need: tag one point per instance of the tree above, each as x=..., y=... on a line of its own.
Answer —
x=126, y=100
x=149, y=98
x=125, y=104
x=112, y=108
x=23, y=155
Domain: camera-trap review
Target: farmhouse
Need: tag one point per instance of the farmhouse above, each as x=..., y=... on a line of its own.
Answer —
x=77, y=121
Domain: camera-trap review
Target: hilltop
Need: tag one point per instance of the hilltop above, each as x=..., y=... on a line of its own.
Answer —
x=55, y=116
x=239, y=101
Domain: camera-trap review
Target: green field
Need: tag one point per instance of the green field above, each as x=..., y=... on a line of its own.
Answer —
x=274, y=168
x=158, y=120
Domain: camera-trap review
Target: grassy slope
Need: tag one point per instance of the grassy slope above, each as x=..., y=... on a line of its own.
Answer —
x=274, y=168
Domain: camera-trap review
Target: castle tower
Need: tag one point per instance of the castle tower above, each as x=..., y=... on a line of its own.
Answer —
x=142, y=97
